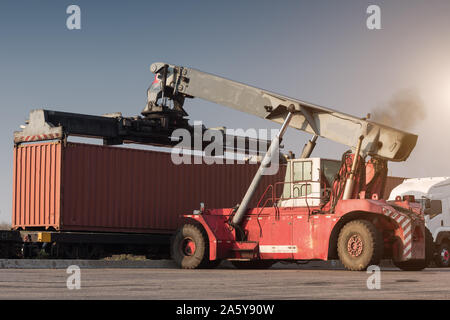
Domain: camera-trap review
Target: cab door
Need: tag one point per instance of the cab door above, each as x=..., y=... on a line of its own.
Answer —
x=306, y=191
x=302, y=184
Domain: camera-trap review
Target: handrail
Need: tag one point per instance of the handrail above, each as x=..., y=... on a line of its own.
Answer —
x=275, y=199
x=267, y=189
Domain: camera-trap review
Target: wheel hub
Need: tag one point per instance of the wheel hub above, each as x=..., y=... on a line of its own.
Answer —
x=355, y=245
x=445, y=255
x=188, y=247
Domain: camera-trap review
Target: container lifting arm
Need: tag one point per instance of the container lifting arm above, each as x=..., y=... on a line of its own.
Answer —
x=181, y=82
x=115, y=129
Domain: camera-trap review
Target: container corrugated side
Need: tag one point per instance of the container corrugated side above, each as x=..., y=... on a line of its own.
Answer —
x=128, y=190
x=36, y=185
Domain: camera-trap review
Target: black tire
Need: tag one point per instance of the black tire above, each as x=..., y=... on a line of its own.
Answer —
x=255, y=264
x=190, y=249
x=417, y=265
x=442, y=258
x=359, y=245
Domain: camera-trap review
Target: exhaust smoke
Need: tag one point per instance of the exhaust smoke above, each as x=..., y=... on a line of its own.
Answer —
x=404, y=110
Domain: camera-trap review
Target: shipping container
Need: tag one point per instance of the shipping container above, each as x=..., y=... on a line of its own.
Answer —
x=83, y=187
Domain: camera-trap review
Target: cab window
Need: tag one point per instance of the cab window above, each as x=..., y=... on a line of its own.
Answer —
x=330, y=169
x=302, y=171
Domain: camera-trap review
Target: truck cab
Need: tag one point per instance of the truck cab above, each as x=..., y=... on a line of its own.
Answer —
x=434, y=196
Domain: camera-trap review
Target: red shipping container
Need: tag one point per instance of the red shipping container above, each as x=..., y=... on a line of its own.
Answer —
x=82, y=187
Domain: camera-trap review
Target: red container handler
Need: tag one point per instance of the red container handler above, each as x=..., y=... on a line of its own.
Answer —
x=82, y=187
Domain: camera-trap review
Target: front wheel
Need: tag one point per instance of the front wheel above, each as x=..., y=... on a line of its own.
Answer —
x=443, y=255
x=360, y=245
x=190, y=249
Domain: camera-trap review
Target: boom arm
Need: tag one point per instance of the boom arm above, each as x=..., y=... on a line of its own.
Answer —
x=177, y=83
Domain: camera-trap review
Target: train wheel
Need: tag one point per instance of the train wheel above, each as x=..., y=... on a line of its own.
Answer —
x=360, y=245
x=70, y=251
x=4, y=251
x=443, y=255
x=189, y=248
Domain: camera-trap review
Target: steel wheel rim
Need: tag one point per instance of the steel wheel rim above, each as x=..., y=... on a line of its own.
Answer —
x=188, y=247
x=355, y=245
x=445, y=255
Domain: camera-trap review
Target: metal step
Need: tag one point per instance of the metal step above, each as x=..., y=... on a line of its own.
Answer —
x=245, y=250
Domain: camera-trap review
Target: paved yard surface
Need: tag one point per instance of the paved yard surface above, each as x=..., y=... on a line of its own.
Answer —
x=223, y=283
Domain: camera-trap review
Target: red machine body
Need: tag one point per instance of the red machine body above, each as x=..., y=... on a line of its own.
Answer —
x=307, y=227
x=325, y=209
x=296, y=233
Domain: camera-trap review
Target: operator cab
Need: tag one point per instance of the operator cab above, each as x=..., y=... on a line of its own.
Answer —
x=154, y=92
x=308, y=182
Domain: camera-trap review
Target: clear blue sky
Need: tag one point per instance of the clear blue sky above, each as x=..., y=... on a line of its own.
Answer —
x=319, y=51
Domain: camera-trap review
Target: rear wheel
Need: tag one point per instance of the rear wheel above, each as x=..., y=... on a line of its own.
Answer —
x=360, y=245
x=443, y=255
x=417, y=265
x=255, y=264
x=190, y=249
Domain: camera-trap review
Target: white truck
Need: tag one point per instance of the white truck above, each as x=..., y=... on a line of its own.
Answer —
x=434, y=196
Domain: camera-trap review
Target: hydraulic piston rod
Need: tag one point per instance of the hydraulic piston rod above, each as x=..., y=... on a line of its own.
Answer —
x=351, y=179
x=309, y=147
x=271, y=155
